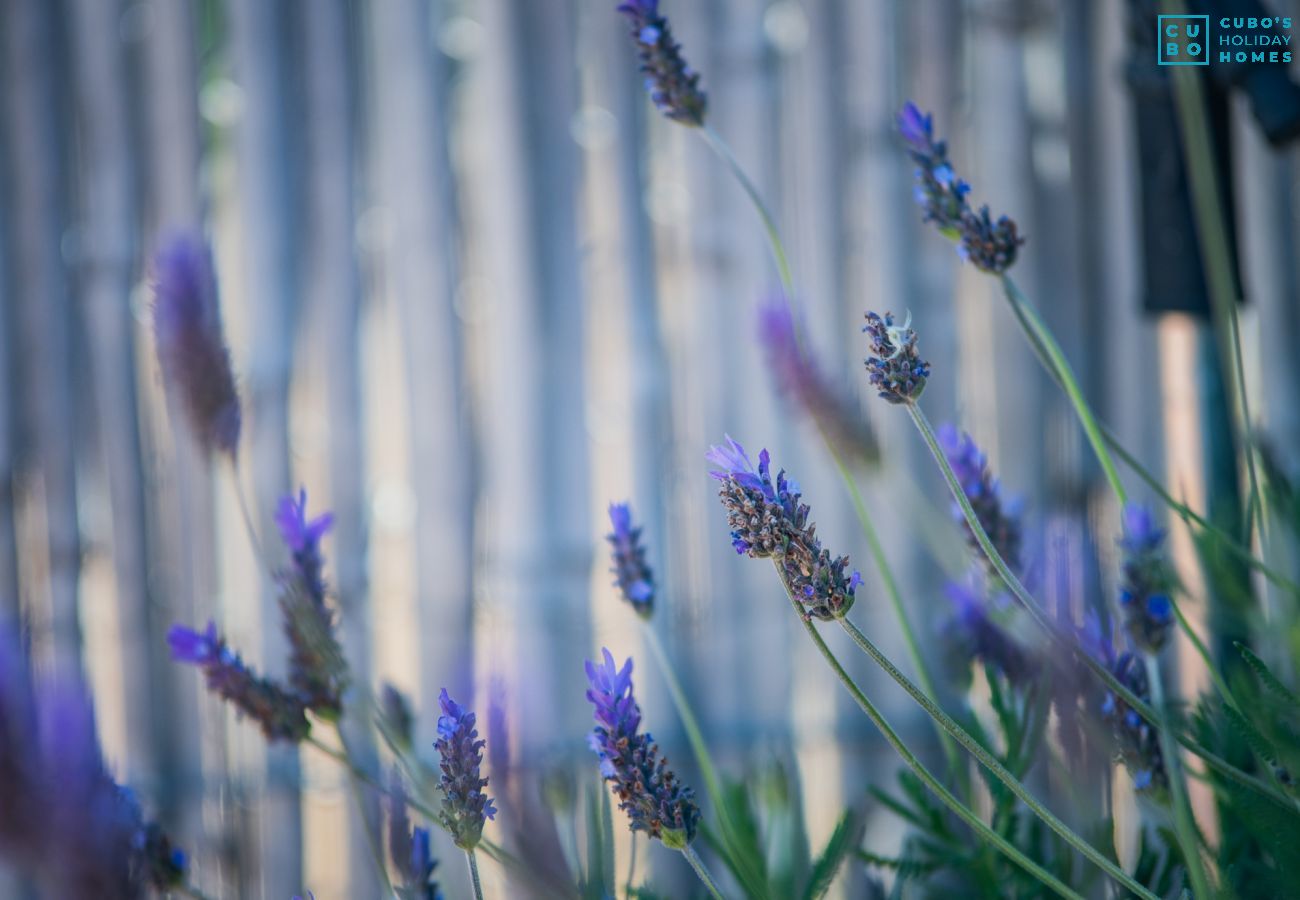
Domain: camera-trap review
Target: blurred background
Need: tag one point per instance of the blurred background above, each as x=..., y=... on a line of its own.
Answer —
x=476, y=289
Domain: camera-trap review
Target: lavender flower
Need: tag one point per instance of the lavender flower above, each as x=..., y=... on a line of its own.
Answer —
x=672, y=84
x=191, y=348
x=632, y=574
x=980, y=637
x=894, y=367
x=409, y=849
x=66, y=824
x=1137, y=742
x=317, y=668
x=990, y=246
x=1147, y=581
x=647, y=790
x=465, y=806
x=768, y=520
x=999, y=522
x=281, y=714
x=802, y=384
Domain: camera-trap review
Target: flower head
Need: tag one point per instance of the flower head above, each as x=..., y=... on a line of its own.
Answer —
x=191, y=347
x=280, y=713
x=988, y=245
x=317, y=668
x=769, y=520
x=632, y=573
x=981, y=637
x=465, y=806
x=409, y=849
x=894, y=368
x=647, y=790
x=672, y=84
x=1137, y=743
x=1147, y=581
x=998, y=520
x=803, y=384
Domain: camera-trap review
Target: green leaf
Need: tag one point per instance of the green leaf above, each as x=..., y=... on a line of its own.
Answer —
x=1266, y=676
x=846, y=834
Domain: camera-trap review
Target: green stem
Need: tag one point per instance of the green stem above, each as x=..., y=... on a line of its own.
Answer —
x=990, y=762
x=473, y=874
x=1184, y=823
x=358, y=797
x=694, y=736
x=925, y=775
x=719, y=146
x=1137, y=704
x=191, y=891
x=1029, y=316
x=702, y=871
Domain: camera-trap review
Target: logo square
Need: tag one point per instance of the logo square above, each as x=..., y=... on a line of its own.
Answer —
x=1183, y=40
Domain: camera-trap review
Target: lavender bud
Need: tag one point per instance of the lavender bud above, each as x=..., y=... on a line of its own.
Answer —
x=1147, y=581
x=894, y=368
x=317, y=667
x=977, y=636
x=647, y=790
x=999, y=522
x=191, y=348
x=988, y=245
x=281, y=714
x=768, y=520
x=632, y=573
x=672, y=84
x=1136, y=740
x=802, y=384
x=409, y=849
x=465, y=806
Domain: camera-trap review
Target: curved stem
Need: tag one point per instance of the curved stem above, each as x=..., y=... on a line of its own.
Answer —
x=702, y=871
x=1040, y=617
x=990, y=762
x=1184, y=823
x=918, y=768
x=473, y=875
x=1069, y=384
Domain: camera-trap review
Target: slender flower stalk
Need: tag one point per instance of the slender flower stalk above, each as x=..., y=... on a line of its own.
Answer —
x=280, y=713
x=465, y=806
x=632, y=574
x=672, y=84
x=191, y=347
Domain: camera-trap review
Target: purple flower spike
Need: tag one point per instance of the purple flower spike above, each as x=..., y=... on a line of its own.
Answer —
x=981, y=638
x=1147, y=582
x=191, y=347
x=317, y=669
x=465, y=806
x=1137, y=742
x=281, y=714
x=647, y=790
x=894, y=368
x=409, y=849
x=999, y=521
x=632, y=573
x=768, y=520
x=803, y=384
x=673, y=85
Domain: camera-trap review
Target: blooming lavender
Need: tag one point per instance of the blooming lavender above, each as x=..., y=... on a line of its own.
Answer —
x=1147, y=581
x=1137, y=742
x=280, y=713
x=655, y=801
x=979, y=637
x=631, y=572
x=803, y=384
x=410, y=849
x=317, y=668
x=64, y=822
x=894, y=368
x=988, y=245
x=465, y=806
x=191, y=348
x=998, y=520
x=768, y=520
x=672, y=84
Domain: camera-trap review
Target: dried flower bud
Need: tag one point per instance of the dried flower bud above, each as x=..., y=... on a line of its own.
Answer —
x=894, y=368
x=673, y=85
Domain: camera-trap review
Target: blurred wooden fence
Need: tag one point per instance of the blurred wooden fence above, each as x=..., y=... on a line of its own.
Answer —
x=476, y=289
